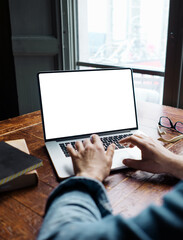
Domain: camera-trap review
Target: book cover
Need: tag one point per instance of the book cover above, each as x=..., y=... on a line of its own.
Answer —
x=26, y=180
x=14, y=163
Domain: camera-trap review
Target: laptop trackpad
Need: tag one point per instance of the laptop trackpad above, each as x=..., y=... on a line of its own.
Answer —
x=119, y=155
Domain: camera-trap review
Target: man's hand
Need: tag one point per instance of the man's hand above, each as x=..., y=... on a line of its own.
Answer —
x=155, y=157
x=90, y=160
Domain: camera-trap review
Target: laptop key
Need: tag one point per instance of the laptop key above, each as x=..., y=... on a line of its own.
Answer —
x=113, y=139
x=105, y=140
x=64, y=149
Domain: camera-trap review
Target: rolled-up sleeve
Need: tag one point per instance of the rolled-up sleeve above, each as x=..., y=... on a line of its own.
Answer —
x=79, y=209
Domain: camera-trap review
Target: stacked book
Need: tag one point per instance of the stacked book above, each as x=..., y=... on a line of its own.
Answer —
x=17, y=166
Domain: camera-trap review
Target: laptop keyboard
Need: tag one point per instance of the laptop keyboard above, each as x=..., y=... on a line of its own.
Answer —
x=105, y=140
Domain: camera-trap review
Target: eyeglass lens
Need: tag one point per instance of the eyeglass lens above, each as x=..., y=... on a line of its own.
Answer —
x=179, y=127
x=165, y=122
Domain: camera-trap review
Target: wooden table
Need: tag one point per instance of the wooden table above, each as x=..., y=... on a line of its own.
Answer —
x=130, y=191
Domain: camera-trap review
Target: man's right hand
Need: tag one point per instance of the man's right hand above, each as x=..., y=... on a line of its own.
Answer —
x=89, y=158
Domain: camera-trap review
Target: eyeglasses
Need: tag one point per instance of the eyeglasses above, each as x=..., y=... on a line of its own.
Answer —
x=167, y=123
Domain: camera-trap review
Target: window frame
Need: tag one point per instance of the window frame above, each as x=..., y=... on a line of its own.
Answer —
x=173, y=83
x=173, y=74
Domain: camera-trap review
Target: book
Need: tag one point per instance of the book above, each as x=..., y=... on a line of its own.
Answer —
x=16, y=166
x=26, y=180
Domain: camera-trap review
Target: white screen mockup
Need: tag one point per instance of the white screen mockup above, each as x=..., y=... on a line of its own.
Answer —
x=85, y=102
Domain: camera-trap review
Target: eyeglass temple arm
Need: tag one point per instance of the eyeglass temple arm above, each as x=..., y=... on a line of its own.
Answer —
x=160, y=132
x=172, y=140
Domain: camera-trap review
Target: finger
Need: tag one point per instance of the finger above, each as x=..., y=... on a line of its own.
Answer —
x=110, y=151
x=134, y=140
x=71, y=151
x=131, y=145
x=86, y=142
x=79, y=146
x=143, y=137
x=96, y=140
x=128, y=138
x=136, y=164
x=138, y=136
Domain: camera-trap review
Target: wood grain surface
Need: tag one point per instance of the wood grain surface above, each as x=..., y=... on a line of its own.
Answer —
x=130, y=191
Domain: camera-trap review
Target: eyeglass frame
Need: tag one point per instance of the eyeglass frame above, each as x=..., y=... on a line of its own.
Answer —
x=172, y=140
x=172, y=125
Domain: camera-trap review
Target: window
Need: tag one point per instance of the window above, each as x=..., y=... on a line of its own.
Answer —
x=124, y=33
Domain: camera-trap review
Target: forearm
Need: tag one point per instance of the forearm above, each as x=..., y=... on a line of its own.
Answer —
x=77, y=215
x=166, y=221
x=175, y=166
x=76, y=201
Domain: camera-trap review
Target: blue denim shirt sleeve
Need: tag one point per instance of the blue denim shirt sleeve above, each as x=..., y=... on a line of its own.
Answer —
x=75, y=185
x=79, y=209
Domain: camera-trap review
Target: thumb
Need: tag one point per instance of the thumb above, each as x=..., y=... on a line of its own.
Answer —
x=136, y=164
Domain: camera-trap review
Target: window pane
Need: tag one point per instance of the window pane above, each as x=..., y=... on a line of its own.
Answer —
x=123, y=32
x=148, y=88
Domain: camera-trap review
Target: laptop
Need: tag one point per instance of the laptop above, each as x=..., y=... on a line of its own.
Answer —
x=76, y=104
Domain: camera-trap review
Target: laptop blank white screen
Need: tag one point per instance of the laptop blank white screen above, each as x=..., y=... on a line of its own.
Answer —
x=85, y=102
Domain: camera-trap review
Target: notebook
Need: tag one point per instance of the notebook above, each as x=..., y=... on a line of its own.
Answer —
x=14, y=163
x=26, y=180
x=76, y=104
